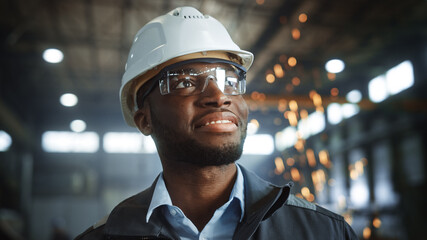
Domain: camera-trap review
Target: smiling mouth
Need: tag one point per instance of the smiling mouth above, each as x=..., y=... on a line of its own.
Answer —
x=217, y=122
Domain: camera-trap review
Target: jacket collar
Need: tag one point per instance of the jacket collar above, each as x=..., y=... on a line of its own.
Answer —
x=262, y=199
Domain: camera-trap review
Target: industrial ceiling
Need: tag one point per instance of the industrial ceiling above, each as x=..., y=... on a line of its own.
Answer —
x=95, y=37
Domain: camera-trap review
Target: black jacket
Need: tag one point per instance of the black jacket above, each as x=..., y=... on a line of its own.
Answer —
x=270, y=213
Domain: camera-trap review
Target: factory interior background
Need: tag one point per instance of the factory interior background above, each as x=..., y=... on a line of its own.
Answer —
x=336, y=94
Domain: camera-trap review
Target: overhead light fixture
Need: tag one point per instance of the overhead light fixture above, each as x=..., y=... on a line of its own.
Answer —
x=53, y=55
x=378, y=89
x=68, y=100
x=5, y=141
x=78, y=126
x=335, y=66
x=334, y=113
x=354, y=96
x=252, y=146
x=53, y=141
x=128, y=142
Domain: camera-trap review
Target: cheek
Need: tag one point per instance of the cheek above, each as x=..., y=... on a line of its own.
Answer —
x=243, y=110
x=175, y=112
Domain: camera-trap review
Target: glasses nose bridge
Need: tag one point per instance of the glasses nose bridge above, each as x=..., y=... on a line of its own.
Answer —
x=220, y=85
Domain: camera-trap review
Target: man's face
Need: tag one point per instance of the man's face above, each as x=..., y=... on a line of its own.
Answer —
x=204, y=129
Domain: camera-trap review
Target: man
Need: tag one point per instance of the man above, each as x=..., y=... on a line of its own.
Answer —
x=183, y=85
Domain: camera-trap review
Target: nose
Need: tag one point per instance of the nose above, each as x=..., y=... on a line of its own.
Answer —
x=213, y=96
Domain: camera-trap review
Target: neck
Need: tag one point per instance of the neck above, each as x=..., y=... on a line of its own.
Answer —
x=199, y=191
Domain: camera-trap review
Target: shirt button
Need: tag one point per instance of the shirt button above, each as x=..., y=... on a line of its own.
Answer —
x=172, y=212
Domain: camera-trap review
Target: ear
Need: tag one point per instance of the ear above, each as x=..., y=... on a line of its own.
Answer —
x=142, y=119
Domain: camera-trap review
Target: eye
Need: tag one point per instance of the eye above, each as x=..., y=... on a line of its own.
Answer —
x=185, y=82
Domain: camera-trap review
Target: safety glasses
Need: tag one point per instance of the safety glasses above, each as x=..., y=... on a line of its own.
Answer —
x=192, y=77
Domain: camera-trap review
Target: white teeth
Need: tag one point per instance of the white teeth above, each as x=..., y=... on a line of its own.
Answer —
x=218, y=121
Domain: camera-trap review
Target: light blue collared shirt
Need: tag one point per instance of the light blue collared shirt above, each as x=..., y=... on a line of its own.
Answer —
x=222, y=224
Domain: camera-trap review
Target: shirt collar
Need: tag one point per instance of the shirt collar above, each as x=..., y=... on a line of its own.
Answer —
x=161, y=196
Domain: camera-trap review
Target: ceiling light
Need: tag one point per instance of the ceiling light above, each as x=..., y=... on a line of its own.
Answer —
x=252, y=146
x=400, y=77
x=349, y=110
x=68, y=100
x=128, y=142
x=78, y=125
x=53, y=141
x=334, y=113
x=5, y=141
x=354, y=96
x=335, y=66
x=378, y=89
x=53, y=55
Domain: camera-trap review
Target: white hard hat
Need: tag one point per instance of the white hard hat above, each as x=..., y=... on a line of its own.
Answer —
x=183, y=33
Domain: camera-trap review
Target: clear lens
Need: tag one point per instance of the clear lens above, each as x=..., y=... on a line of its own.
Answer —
x=192, y=79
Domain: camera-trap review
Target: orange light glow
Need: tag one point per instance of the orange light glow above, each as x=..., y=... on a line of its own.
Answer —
x=280, y=167
x=260, y=2
x=303, y=113
x=310, y=197
x=319, y=179
x=299, y=195
x=305, y=192
x=296, y=81
x=331, y=76
x=358, y=166
x=366, y=233
x=295, y=174
x=365, y=161
x=317, y=100
x=296, y=34
x=255, y=95
x=283, y=105
x=323, y=158
x=320, y=109
x=302, y=18
x=348, y=218
x=312, y=93
x=293, y=105
x=292, y=117
x=353, y=174
x=290, y=162
x=278, y=71
x=270, y=78
x=376, y=222
x=311, y=158
x=299, y=145
x=289, y=87
x=292, y=62
x=334, y=92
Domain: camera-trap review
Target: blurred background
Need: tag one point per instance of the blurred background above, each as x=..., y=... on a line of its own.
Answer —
x=336, y=94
